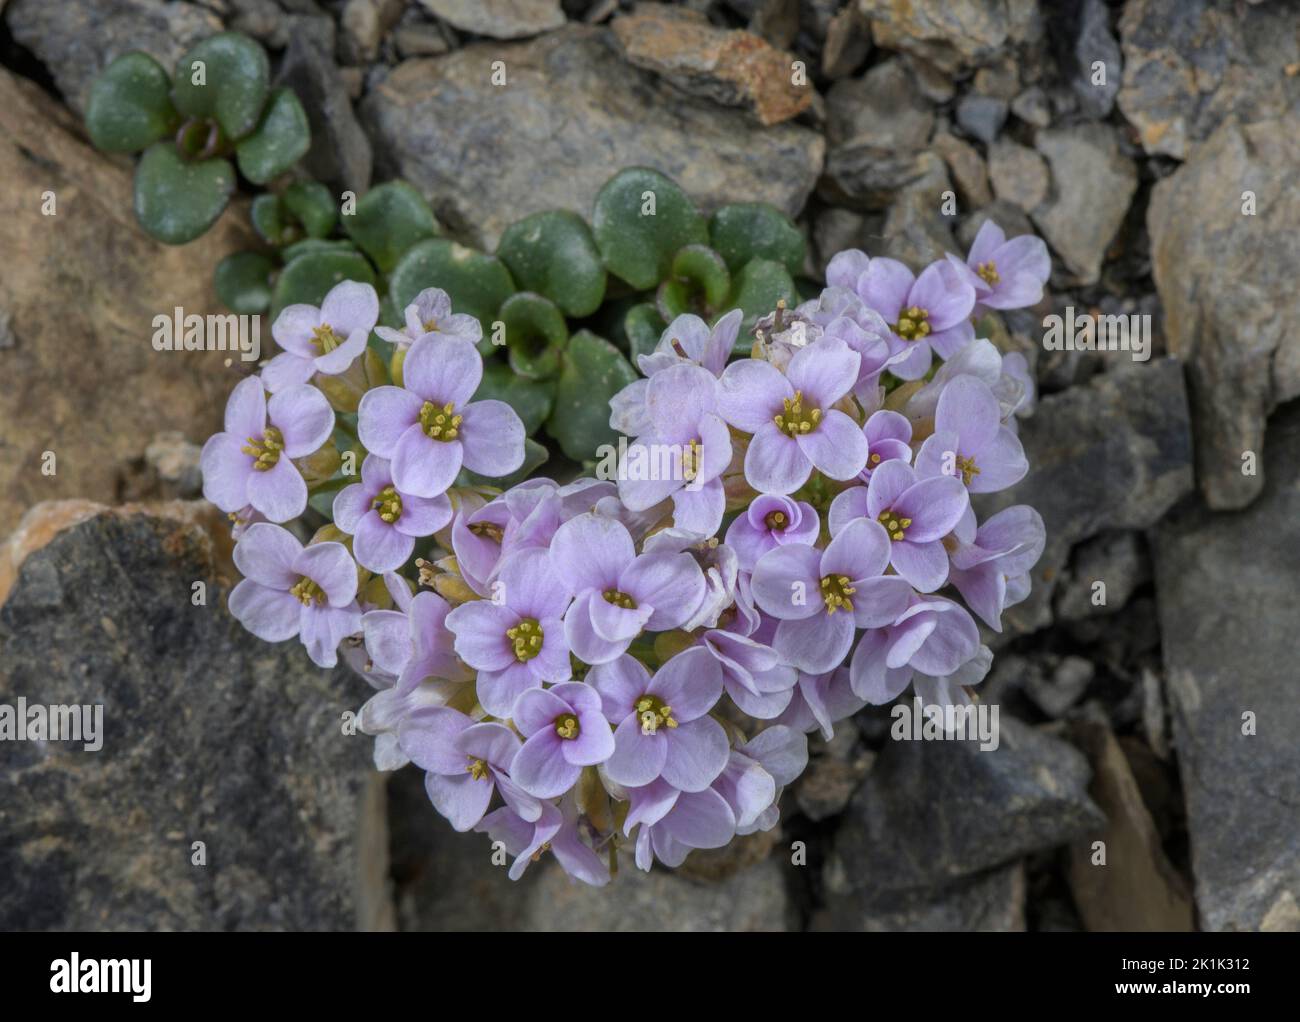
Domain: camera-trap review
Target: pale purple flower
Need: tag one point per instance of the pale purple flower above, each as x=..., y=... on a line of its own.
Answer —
x=556, y=831
x=753, y=673
x=250, y=463
x=412, y=643
x=688, y=340
x=790, y=416
x=464, y=764
x=756, y=772
x=383, y=521
x=1017, y=379
x=770, y=521
x=564, y=730
x=682, y=453
x=934, y=636
x=515, y=639
x=916, y=516
x=325, y=340
x=673, y=822
x=929, y=313
x=240, y=520
x=821, y=701
x=889, y=435
x=969, y=442
x=430, y=313
x=289, y=590
x=663, y=727
x=950, y=690
x=839, y=313
x=429, y=427
x=821, y=595
x=718, y=564
x=1006, y=274
x=383, y=713
x=992, y=573
x=616, y=593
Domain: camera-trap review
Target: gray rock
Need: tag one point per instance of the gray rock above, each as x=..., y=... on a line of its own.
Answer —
x=340, y=152
x=500, y=19
x=1032, y=107
x=1018, y=174
x=967, y=168
x=1010, y=218
x=916, y=229
x=209, y=735
x=982, y=117
x=848, y=41
x=264, y=20
x=572, y=112
x=835, y=769
x=1118, y=559
x=1069, y=680
x=76, y=40
x=931, y=813
x=1227, y=597
x=1190, y=64
x=834, y=230
x=1227, y=284
x=1114, y=454
x=989, y=902
x=952, y=34
x=1096, y=43
x=1093, y=183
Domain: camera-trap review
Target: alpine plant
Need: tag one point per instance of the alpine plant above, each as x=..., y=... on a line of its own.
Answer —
x=632, y=664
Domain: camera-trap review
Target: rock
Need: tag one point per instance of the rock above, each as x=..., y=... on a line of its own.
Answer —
x=777, y=21
x=1191, y=64
x=487, y=155
x=1136, y=888
x=1032, y=107
x=989, y=902
x=916, y=230
x=76, y=40
x=359, y=23
x=1116, y=559
x=1225, y=281
x=1114, y=454
x=175, y=461
x=1226, y=588
x=930, y=813
x=835, y=770
x=1095, y=87
x=931, y=83
x=1018, y=174
x=1093, y=183
x=1009, y=217
x=340, y=152
x=752, y=901
x=952, y=34
x=264, y=20
x=982, y=117
x=1069, y=680
x=966, y=166
x=733, y=68
x=1001, y=80
x=847, y=43
x=500, y=19
x=94, y=391
x=208, y=735
x=834, y=230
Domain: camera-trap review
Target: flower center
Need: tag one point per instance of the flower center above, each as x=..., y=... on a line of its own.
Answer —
x=619, y=599
x=488, y=530
x=654, y=714
x=265, y=452
x=691, y=457
x=566, y=726
x=836, y=592
x=324, y=339
x=988, y=272
x=527, y=638
x=913, y=324
x=968, y=469
x=440, y=423
x=429, y=326
x=894, y=525
x=776, y=521
x=305, y=591
x=477, y=769
x=389, y=504
x=796, y=419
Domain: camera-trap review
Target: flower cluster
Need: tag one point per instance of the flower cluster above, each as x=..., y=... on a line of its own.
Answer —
x=635, y=662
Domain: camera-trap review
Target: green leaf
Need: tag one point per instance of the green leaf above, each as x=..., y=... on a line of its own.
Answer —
x=554, y=254
x=281, y=139
x=535, y=334
x=757, y=230
x=177, y=201
x=761, y=284
x=641, y=218
x=699, y=283
x=270, y=220
x=309, y=277
x=130, y=105
x=226, y=77
x=476, y=283
x=591, y=372
x=243, y=282
x=535, y=456
x=644, y=326
x=312, y=206
x=389, y=219
x=300, y=248
x=530, y=399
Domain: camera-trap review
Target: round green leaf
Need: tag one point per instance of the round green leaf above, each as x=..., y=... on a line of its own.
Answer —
x=226, y=77
x=243, y=282
x=554, y=254
x=641, y=218
x=271, y=220
x=591, y=372
x=535, y=334
x=130, y=105
x=756, y=230
x=177, y=201
x=760, y=285
x=643, y=326
x=389, y=219
x=307, y=245
x=704, y=271
x=476, y=283
x=313, y=206
x=309, y=278
x=530, y=399
x=281, y=139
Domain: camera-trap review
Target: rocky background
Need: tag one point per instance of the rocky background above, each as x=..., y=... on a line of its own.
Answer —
x=1163, y=722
